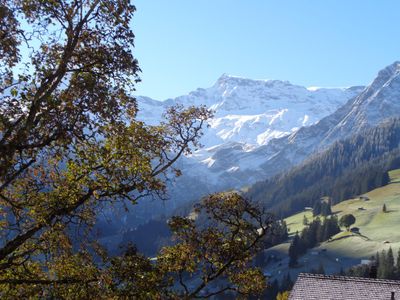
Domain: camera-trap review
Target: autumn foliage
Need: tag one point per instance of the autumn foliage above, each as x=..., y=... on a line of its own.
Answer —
x=71, y=144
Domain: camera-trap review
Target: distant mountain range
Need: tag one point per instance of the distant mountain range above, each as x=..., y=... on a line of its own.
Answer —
x=289, y=146
x=264, y=127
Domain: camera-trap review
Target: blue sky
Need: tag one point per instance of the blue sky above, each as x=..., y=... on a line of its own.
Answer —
x=185, y=44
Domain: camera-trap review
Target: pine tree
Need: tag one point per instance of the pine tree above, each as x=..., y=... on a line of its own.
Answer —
x=331, y=228
x=317, y=208
x=382, y=264
x=285, y=230
x=384, y=208
x=326, y=209
x=397, y=268
x=272, y=290
x=377, y=260
x=286, y=283
x=390, y=267
x=305, y=220
x=294, y=251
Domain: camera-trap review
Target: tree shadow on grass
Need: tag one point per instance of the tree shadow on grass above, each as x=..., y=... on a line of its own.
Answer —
x=350, y=235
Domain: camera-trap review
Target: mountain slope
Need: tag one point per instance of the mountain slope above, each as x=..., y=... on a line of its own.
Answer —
x=373, y=105
x=348, y=167
x=249, y=116
x=242, y=105
x=347, y=249
x=254, y=111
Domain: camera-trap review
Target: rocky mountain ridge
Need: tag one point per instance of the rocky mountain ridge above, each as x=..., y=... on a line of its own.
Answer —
x=226, y=162
x=283, y=124
x=252, y=118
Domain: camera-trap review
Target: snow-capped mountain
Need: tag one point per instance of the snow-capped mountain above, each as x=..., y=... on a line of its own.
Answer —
x=376, y=103
x=254, y=111
x=228, y=161
x=250, y=117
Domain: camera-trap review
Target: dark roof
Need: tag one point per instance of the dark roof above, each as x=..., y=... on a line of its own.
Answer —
x=316, y=286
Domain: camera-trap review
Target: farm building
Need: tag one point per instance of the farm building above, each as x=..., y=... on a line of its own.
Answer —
x=317, y=287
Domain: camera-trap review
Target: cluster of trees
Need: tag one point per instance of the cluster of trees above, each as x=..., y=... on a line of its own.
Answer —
x=71, y=146
x=279, y=234
x=384, y=266
x=346, y=169
x=315, y=233
x=322, y=208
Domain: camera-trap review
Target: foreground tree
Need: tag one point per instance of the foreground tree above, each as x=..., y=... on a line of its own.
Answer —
x=71, y=144
x=206, y=260
x=283, y=295
x=69, y=139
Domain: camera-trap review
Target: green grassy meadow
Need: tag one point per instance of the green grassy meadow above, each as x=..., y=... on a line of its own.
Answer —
x=378, y=231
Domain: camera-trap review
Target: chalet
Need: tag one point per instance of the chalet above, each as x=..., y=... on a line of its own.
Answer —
x=317, y=287
x=365, y=198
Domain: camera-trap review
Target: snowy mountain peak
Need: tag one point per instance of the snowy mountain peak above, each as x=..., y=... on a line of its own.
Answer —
x=384, y=76
x=226, y=81
x=379, y=101
x=254, y=111
x=262, y=127
x=390, y=71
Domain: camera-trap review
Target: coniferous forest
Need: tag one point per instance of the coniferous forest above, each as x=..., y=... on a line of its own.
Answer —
x=346, y=169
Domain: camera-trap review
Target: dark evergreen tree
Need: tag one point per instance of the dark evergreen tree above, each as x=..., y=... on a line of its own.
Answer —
x=382, y=264
x=286, y=283
x=279, y=234
x=326, y=209
x=377, y=261
x=317, y=208
x=390, y=267
x=384, y=208
x=294, y=251
x=397, y=268
x=330, y=227
x=272, y=290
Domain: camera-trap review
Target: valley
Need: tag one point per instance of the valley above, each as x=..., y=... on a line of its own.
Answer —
x=377, y=231
x=262, y=128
